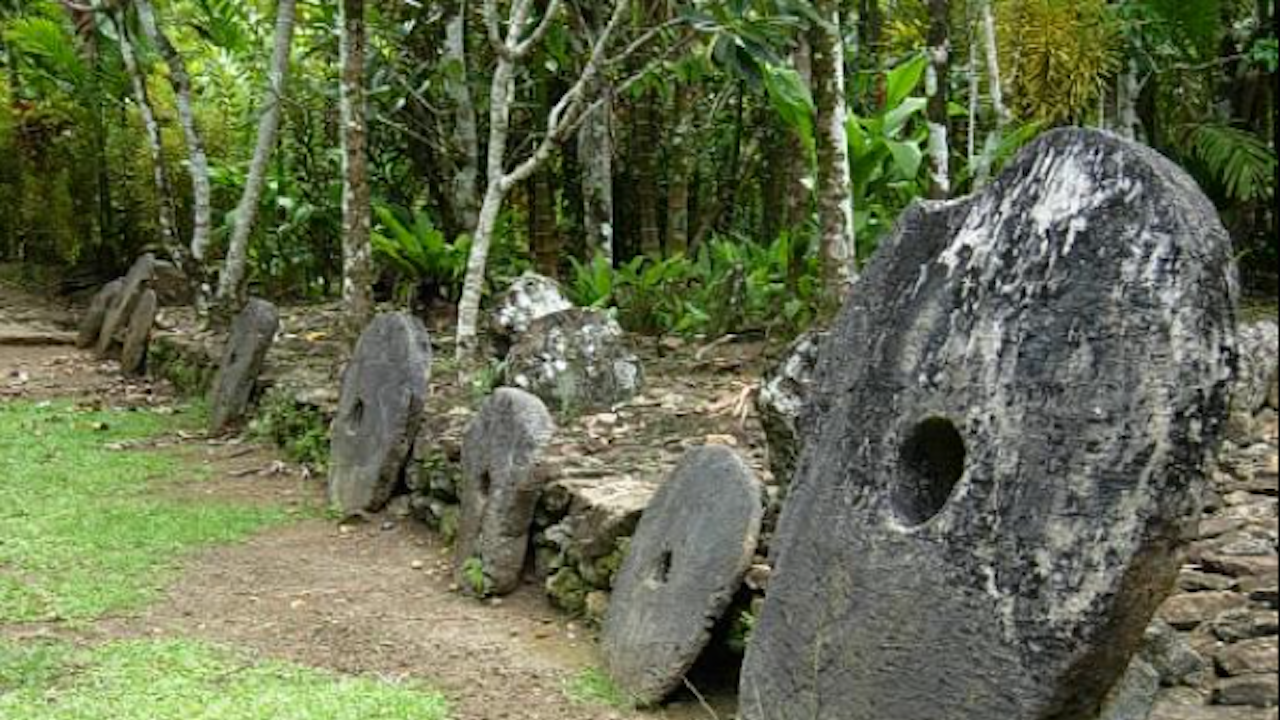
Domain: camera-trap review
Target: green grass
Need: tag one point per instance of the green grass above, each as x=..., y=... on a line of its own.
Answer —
x=86, y=528
x=594, y=687
x=186, y=680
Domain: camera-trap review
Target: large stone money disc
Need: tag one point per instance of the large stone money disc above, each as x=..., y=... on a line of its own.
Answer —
x=116, y=318
x=252, y=334
x=693, y=545
x=1012, y=419
x=384, y=390
x=501, y=485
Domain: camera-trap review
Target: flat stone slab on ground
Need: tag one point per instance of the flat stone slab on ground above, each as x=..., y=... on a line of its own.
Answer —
x=133, y=356
x=252, y=333
x=1015, y=410
x=693, y=545
x=384, y=390
x=500, y=489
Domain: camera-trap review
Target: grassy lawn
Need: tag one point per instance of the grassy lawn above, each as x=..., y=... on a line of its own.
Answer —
x=183, y=680
x=83, y=531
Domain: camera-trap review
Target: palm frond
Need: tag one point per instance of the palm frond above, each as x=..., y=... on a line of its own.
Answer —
x=1238, y=160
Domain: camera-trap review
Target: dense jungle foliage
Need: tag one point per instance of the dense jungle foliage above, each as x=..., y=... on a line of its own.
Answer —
x=687, y=190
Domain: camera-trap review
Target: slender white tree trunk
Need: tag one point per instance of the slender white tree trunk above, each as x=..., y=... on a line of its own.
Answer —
x=595, y=155
x=936, y=83
x=465, y=137
x=995, y=83
x=167, y=216
x=1128, y=124
x=563, y=120
x=835, y=188
x=357, y=255
x=231, y=288
x=197, y=159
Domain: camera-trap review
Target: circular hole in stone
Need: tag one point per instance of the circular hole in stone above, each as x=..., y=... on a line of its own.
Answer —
x=662, y=568
x=932, y=461
x=357, y=413
x=486, y=484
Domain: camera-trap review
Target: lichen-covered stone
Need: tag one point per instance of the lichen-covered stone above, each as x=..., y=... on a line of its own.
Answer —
x=530, y=297
x=687, y=559
x=91, y=323
x=500, y=489
x=1259, y=367
x=576, y=361
x=116, y=320
x=384, y=390
x=137, y=338
x=252, y=333
x=1014, y=414
x=783, y=392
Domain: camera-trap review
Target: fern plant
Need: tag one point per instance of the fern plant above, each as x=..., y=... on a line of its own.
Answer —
x=1237, y=161
x=415, y=248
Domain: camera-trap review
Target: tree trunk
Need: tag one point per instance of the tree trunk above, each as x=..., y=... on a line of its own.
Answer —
x=167, y=216
x=544, y=236
x=995, y=84
x=834, y=190
x=645, y=145
x=595, y=155
x=936, y=83
x=357, y=255
x=198, y=161
x=1128, y=124
x=679, y=168
x=234, y=282
x=464, y=191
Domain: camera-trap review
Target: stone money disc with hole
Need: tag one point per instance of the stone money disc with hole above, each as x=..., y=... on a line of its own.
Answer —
x=693, y=545
x=91, y=324
x=1013, y=415
x=252, y=333
x=384, y=390
x=121, y=309
x=501, y=487
x=133, y=357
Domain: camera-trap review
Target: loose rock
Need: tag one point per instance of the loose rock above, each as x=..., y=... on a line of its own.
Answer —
x=576, y=361
x=989, y=506
x=530, y=297
x=687, y=559
x=500, y=489
x=781, y=400
x=252, y=333
x=384, y=390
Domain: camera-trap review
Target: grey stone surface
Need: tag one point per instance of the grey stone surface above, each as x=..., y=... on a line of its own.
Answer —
x=115, y=321
x=781, y=400
x=1015, y=412
x=687, y=559
x=252, y=333
x=576, y=361
x=501, y=484
x=133, y=356
x=384, y=390
x=530, y=297
x=91, y=323
x=1258, y=366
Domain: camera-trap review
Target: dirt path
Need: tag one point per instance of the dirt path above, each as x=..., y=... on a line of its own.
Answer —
x=374, y=599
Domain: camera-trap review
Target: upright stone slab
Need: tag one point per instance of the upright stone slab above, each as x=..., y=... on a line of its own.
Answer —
x=693, y=545
x=384, y=390
x=500, y=490
x=783, y=394
x=91, y=323
x=133, y=357
x=1013, y=416
x=252, y=333
x=118, y=313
